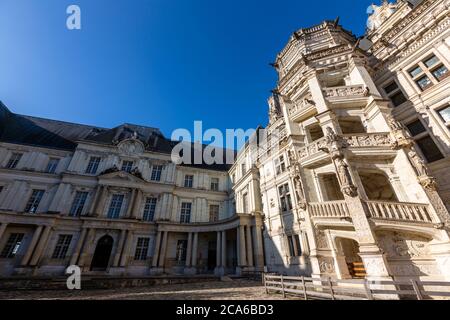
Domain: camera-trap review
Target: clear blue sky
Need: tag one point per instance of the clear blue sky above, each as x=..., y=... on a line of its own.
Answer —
x=160, y=63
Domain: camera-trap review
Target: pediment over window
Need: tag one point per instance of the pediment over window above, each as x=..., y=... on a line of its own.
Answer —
x=122, y=176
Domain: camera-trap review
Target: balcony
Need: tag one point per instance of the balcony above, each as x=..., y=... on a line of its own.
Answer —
x=332, y=209
x=410, y=212
x=363, y=141
x=345, y=93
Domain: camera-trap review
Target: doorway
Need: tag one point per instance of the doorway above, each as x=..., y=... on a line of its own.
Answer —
x=212, y=255
x=102, y=254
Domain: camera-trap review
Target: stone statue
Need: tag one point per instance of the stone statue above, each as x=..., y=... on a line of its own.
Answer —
x=344, y=176
x=418, y=163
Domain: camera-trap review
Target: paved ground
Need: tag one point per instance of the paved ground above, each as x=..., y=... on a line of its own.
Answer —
x=235, y=290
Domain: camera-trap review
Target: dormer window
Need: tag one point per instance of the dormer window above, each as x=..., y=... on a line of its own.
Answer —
x=188, y=181
x=127, y=166
x=52, y=165
x=14, y=161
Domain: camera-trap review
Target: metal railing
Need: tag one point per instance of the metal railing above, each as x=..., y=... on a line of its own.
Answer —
x=331, y=289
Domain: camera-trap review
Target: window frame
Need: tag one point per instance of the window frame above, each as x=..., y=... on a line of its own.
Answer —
x=189, y=181
x=62, y=247
x=423, y=135
x=142, y=249
x=34, y=201
x=93, y=164
x=394, y=92
x=127, y=166
x=185, y=212
x=78, y=204
x=214, y=215
x=215, y=184
x=285, y=197
x=14, y=160
x=149, y=209
x=12, y=248
x=157, y=170
x=427, y=71
x=280, y=165
x=51, y=168
x=117, y=209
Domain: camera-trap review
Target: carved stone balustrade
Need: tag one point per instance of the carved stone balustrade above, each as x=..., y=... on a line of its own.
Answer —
x=331, y=209
x=399, y=211
x=346, y=91
x=367, y=140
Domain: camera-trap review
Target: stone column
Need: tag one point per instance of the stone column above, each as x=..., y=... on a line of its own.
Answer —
x=89, y=243
x=217, y=271
x=224, y=249
x=119, y=248
x=162, y=258
x=2, y=230
x=189, y=251
x=195, y=251
x=131, y=204
x=137, y=206
x=42, y=244
x=259, y=246
x=242, y=246
x=32, y=245
x=156, y=250
x=100, y=208
x=249, y=246
x=339, y=259
x=95, y=200
x=126, y=251
x=76, y=253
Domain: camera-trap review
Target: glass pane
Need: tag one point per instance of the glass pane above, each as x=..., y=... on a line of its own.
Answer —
x=398, y=98
x=441, y=72
x=424, y=82
x=429, y=149
x=415, y=72
x=391, y=87
x=416, y=128
x=431, y=61
x=445, y=114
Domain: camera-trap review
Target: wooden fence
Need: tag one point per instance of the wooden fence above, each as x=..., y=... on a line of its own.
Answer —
x=332, y=289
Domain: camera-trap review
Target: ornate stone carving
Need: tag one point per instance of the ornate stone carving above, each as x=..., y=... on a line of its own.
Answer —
x=346, y=91
x=326, y=265
x=345, y=178
x=131, y=147
x=296, y=175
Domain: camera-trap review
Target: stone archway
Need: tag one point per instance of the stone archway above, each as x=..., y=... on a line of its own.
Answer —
x=102, y=255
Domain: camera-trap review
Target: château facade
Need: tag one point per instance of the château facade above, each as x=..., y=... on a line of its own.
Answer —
x=351, y=180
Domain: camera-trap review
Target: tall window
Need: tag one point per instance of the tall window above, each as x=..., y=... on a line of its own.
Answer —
x=280, y=165
x=12, y=246
x=34, y=201
x=215, y=184
x=423, y=139
x=62, y=246
x=92, y=167
x=244, y=169
x=116, y=206
x=52, y=165
x=181, y=251
x=185, y=216
x=285, y=197
x=127, y=166
x=395, y=94
x=214, y=213
x=141, y=252
x=149, y=209
x=294, y=246
x=188, y=181
x=245, y=203
x=444, y=113
x=14, y=160
x=156, y=173
x=429, y=72
x=78, y=204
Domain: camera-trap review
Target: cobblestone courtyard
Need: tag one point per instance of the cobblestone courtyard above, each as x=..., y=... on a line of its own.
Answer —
x=235, y=290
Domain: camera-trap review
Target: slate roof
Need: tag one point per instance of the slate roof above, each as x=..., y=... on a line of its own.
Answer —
x=27, y=130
